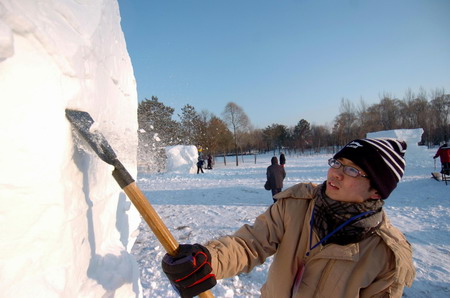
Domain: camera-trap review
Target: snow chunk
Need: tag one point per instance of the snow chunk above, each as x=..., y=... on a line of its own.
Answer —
x=182, y=159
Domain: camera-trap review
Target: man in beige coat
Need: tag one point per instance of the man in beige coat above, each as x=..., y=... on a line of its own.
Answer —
x=328, y=240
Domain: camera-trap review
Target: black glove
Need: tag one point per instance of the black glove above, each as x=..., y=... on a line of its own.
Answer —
x=190, y=270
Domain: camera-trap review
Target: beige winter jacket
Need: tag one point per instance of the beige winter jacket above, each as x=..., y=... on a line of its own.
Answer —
x=379, y=266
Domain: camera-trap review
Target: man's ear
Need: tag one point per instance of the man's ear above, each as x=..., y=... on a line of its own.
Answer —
x=375, y=195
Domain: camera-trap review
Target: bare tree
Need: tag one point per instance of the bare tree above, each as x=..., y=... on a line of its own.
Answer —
x=345, y=127
x=440, y=109
x=320, y=137
x=415, y=110
x=238, y=122
x=257, y=139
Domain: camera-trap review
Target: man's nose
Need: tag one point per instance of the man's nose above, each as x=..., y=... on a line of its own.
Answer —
x=338, y=173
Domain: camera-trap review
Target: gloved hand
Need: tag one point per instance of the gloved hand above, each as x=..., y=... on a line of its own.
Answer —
x=190, y=270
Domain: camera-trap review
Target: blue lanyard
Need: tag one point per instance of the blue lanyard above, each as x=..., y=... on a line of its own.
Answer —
x=333, y=232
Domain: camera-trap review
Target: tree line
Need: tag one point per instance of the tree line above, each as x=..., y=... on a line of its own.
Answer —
x=233, y=134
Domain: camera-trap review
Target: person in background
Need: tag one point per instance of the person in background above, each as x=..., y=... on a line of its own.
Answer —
x=444, y=155
x=282, y=159
x=200, y=163
x=275, y=176
x=209, y=166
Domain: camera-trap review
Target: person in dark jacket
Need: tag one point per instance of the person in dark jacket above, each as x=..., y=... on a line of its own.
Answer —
x=209, y=167
x=200, y=165
x=282, y=159
x=275, y=176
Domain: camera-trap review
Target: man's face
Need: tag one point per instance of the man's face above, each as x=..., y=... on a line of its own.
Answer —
x=341, y=187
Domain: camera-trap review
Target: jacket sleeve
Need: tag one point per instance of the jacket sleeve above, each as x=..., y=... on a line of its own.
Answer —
x=399, y=272
x=386, y=285
x=437, y=153
x=249, y=246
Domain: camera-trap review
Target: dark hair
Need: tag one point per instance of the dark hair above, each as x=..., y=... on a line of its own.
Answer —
x=274, y=160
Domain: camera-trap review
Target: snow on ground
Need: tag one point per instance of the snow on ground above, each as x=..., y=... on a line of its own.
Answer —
x=197, y=208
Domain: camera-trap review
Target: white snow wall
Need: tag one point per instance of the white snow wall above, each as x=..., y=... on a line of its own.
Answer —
x=65, y=224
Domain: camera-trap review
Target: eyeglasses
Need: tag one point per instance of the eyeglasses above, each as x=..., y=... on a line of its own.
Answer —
x=348, y=170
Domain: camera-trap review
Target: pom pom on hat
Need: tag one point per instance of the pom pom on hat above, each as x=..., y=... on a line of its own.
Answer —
x=381, y=158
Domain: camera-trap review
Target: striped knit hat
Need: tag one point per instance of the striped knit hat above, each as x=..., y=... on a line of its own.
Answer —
x=382, y=160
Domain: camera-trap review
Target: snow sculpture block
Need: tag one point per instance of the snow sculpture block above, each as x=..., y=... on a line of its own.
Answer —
x=65, y=224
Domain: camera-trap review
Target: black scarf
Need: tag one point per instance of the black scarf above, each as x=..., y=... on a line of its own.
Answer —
x=329, y=214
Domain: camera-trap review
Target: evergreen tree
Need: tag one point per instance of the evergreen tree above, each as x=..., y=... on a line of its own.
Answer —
x=156, y=131
x=190, y=125
x=301, y=135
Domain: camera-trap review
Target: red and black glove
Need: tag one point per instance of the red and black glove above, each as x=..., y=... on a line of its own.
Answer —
x=190, y=270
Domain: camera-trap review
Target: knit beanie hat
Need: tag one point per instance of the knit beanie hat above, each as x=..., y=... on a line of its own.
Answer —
x=381, y=158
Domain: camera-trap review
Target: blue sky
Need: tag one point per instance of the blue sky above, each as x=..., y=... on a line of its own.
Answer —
x=285, y=60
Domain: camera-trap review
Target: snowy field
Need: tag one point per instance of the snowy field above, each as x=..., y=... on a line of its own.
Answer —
x=200, y=207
